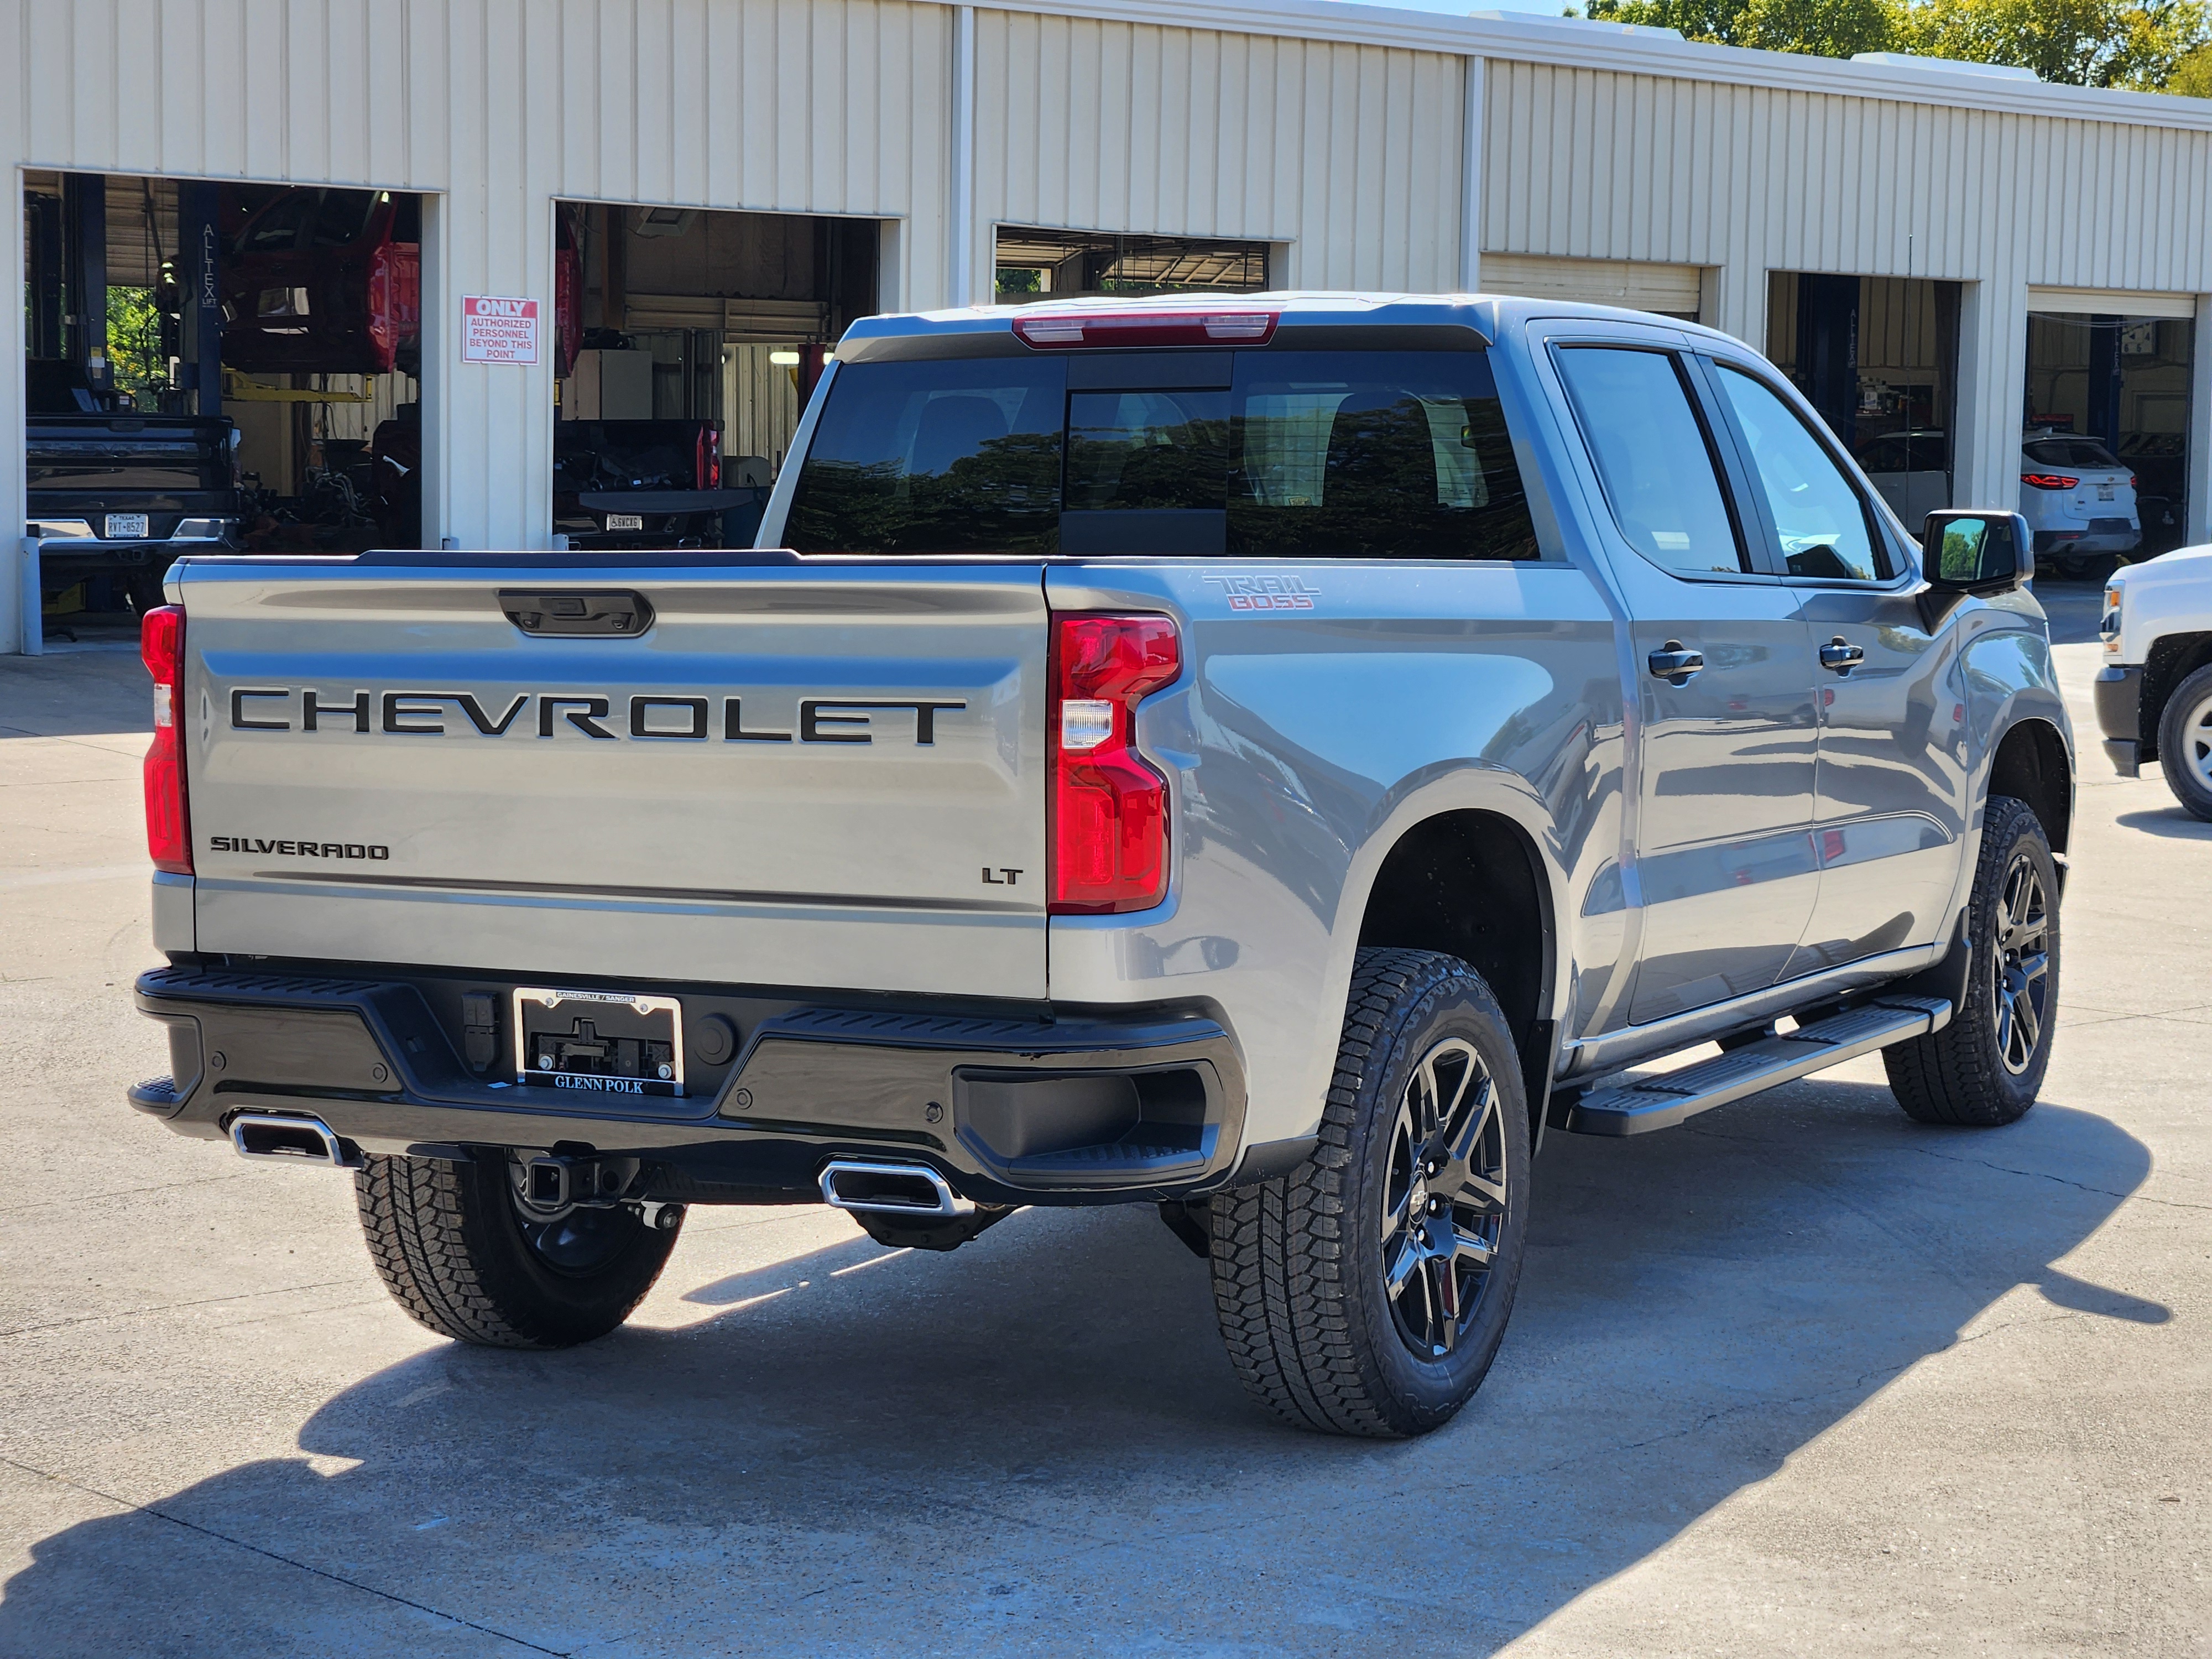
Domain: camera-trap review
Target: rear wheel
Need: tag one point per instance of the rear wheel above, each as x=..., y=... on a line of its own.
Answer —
x=1367, y=1292
x=2184, y=743
x=461, y=1250
x=1986, y=1067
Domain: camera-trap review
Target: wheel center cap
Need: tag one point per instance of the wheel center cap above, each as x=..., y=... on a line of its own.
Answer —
x=1418, y=1206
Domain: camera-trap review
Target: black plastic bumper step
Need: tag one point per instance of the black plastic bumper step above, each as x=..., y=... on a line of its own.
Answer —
x=1659, y=1103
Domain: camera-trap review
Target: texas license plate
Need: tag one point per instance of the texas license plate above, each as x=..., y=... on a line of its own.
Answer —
x=2104, y=492
x=122, y=525
x=625, y=522
x=607, y=1043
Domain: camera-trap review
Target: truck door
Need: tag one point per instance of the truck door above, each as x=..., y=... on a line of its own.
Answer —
x=1890, y=799
x=1721, y=862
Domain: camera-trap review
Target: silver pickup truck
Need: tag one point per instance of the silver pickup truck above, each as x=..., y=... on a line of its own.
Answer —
x=1270, y=761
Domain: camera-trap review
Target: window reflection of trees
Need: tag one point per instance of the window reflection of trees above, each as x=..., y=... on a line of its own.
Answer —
x=1003, y=498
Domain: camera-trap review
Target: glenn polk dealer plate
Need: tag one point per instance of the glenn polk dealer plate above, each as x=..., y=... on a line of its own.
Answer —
x=121, y=525
x=607, y=1043
x=625, y=522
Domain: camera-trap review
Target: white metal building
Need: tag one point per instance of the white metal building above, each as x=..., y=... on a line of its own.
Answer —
x=1366, y=148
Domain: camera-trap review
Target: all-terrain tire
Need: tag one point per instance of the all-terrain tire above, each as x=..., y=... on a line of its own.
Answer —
x=1962, y=1074
x=449, y=1245
x=2184, y=743
x=1298, y=1261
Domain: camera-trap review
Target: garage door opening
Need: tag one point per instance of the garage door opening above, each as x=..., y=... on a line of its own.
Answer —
x=696, y=338
x=1060, y=264
x=2107, y=397
x=211, y=367
x=1879, y=357
x=1634, y=285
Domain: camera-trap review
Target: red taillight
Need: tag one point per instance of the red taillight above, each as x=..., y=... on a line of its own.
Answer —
x=1109, y=823
x=2048, y=481
x=706, y=460
x=169, y=828
x=1052, y=328
x=2131, y=481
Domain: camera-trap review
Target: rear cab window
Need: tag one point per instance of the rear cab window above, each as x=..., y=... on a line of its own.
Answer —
x=1275, y=453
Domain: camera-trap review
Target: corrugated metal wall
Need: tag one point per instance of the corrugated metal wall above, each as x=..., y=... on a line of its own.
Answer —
x=1349, y=154
x=1753, y=180
x=836, y=107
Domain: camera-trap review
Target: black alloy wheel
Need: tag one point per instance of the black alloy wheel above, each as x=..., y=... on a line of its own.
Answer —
x=1444, y=1198
x=1367, y=1291
x=2020, y=966
x=1985, y=1068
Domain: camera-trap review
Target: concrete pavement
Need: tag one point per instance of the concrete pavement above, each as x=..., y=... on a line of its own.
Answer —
x=1799, y=1376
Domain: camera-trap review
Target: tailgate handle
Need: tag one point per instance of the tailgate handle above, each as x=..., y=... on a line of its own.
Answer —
x=599, y=613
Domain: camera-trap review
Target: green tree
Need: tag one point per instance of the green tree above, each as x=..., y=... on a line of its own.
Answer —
x=2192, y=74
x=1826, y=29
x=2146, y=45
x=2083, y=43
x=134, y=341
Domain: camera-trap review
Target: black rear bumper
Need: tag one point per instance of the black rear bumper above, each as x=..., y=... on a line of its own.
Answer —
x=1017, y=1106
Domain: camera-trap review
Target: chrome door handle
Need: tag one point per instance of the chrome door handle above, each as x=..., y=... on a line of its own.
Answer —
x=1674, y=664
x=1840, y=654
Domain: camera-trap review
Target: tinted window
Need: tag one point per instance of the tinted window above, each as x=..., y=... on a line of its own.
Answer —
x=935, y=457
x=282, y=224
x=1652, y=458
x=1310, y=454
x=2070, y=452
x=1819, y=516
x=1147, y=450
x=1376, y=454
x=343, y=216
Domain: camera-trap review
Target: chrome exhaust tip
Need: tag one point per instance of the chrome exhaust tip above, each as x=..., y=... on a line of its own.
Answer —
x=889, y=1188
x=298, y=1140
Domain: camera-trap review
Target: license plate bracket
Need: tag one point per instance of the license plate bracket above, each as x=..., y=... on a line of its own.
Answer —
x=612, y=1043
x=2104, y=492
x=121, y=526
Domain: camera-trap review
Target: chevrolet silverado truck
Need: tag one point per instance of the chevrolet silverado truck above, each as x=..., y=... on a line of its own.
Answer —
x=2154, y=691
x=1270, y=760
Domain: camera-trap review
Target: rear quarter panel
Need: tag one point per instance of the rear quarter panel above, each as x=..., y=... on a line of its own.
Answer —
x=1324, y=708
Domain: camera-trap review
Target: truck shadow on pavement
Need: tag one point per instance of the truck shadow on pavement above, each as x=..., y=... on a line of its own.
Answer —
x=1036, y=1444
x=2174, y=823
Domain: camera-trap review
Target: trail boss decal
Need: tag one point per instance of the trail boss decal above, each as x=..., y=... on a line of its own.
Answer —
x=1267, y=593
x=651, y=717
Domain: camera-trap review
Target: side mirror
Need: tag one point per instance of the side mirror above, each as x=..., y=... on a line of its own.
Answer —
x=1977, y=550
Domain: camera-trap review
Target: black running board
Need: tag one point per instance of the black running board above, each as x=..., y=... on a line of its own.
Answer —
x=1659, y=1103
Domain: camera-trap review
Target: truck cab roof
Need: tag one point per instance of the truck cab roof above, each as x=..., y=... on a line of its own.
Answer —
x=984, y=331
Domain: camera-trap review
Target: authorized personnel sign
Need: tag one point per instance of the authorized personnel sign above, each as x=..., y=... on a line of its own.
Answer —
x=498, y=331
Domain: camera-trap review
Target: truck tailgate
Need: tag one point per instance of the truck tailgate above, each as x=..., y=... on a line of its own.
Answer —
x=792, y=775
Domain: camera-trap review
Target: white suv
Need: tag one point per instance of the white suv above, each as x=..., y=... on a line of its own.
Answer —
x=2079, y=498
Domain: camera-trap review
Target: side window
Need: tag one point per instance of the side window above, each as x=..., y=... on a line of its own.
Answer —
x=1652, y=458
x=1818, y=515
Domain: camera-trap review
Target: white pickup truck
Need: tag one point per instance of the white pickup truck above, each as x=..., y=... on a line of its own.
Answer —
x=2154, y=691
